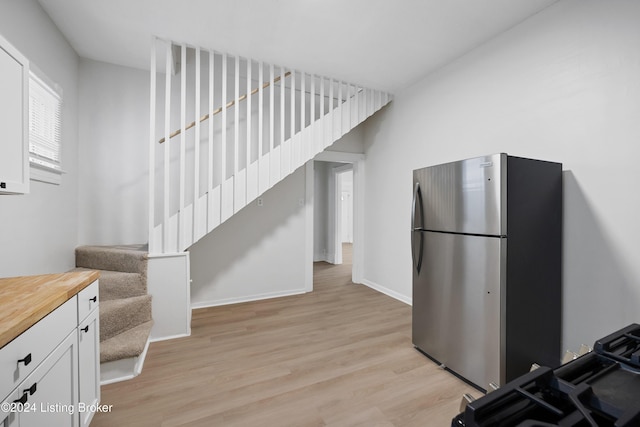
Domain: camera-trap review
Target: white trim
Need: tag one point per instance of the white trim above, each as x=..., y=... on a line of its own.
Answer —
x=339, y=156
x=169, y=337
x=47, y=84
x=238, y=300
x=168, y=255
x=308, y=219
x=335, y=205
x=357, y=162
x=343, y=168
x=322, y=258
x=45, y=174
x=334, y=253
x=357, y=273
x=123, y=369
x=391, y=293
x=168, y=282
x=152, y=146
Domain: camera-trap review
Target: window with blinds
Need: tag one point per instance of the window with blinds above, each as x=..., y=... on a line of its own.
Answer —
x=45, y=120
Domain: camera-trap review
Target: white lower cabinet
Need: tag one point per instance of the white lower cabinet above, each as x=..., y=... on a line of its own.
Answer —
x=62, y=388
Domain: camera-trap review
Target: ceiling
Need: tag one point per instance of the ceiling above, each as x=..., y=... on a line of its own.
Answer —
x=383, y=44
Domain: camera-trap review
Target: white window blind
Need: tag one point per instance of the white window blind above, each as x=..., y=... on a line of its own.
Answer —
x=45, y=110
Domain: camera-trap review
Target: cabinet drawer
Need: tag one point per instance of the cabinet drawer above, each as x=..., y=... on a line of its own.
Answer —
x=22, y=355
x=88, y=300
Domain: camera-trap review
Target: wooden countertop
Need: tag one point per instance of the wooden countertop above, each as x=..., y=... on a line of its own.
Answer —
x=27, y=299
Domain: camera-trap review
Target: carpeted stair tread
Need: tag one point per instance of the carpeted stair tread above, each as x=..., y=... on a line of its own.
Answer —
x=117, y=316
x=117, y=285
x=125, y=258
x=130, y=343
x=125, y=306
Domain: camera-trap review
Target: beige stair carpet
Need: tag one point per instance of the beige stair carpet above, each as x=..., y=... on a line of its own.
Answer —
x=117, y=316
x=128, y=344
x=125, y=306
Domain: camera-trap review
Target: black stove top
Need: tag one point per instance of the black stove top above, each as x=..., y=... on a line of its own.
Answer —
x=601, y=388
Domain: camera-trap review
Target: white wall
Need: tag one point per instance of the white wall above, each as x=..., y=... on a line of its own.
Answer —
x=114, y=130
x=561, y=86
x=38, y=231
x=257, y=253
x=351, y=142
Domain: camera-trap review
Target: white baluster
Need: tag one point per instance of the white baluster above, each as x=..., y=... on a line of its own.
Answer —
x=303, y=120
x=251, y=168
x=263, y=158
x=319, y=146
x=236, y=118
x=240, y=176
x=196, y=233
x=308, y=149
x=227, y=184
x=274, y=153
x=271, y=110
x=183, y=142
x=167, y=152
x=213, y=202
x=152, y=149
x=292, y=130
x=283, y=102
x=337, y=122
x=330, y=113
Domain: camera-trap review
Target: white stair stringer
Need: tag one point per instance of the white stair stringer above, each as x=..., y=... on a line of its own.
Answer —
x=122, y=369
x=207, y=211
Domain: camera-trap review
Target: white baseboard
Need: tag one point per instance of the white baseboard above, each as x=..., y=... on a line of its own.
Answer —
x=249, y=298
x=387, y=291
x=169, y=337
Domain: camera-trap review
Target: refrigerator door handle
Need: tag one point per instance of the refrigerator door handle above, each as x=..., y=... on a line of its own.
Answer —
x=417, y=203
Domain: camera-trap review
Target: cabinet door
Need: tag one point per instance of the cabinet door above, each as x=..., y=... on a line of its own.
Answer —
x=14, y=101
x=52, y=389
x=9, y=415
x=89, y=366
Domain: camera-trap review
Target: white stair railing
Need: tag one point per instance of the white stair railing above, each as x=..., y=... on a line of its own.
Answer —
x=262, y=122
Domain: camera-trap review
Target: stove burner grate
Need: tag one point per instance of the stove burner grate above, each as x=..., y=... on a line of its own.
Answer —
x=599, y=389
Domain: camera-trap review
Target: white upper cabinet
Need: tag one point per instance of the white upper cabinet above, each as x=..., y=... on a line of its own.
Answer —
x=14, y=121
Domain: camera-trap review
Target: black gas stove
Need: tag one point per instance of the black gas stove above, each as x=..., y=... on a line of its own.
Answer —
x=600, y=388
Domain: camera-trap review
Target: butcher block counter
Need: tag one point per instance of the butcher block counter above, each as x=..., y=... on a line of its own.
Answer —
x=26, y=300
x=49, y=349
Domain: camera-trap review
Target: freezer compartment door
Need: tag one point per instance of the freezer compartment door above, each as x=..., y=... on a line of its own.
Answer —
x=457, y=299
x=468, y=196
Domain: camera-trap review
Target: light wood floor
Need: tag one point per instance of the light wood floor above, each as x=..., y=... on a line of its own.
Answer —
x=338, y=356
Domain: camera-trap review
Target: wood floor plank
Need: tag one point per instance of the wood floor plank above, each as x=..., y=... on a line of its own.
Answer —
x=338, y=356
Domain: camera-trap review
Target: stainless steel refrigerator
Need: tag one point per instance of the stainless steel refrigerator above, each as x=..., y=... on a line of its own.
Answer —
x=486, y=239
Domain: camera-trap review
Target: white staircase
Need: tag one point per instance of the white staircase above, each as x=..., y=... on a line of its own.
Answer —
x=225, y=129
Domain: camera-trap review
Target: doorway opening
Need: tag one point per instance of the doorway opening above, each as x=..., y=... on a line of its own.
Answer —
x=337, y=209
x=342, y=233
